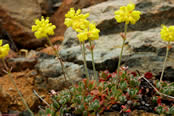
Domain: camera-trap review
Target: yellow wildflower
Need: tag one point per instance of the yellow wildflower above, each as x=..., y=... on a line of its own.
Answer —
x=127, y=14
x=4, y=49
x=167, y=33
x=43, y=28
x=82, y=36
x=92, y=33
x=76, y=20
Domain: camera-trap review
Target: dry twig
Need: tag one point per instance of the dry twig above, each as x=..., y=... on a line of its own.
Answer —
x=161, y=94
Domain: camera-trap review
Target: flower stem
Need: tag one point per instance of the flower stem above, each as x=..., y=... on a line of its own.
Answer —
x=93, y=64
x=124, y=39
x=164, y=64
x=20, y=94
x=57, y=55
x=82, y=45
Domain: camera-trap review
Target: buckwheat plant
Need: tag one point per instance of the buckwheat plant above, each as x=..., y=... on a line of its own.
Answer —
x=91, y=33
x=4, y=50
x=78, y=22
x=43, y=28
x=85, y=30
x=128, y=15
x=167, y=34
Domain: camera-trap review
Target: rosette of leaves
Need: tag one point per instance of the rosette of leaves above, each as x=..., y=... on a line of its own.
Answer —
x=162, y=109
x=133, y=81
x=166, y=88
x=171, y=110
x=77, y=99
x=132, y=93
x=117, y=95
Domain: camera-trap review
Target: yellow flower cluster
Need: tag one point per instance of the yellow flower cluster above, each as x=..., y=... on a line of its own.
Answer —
x=76, y=20
x=4, y=49
x=43, y=28
x=80, y=24
x=91, y=33
x=167, y=33
x=127, y=14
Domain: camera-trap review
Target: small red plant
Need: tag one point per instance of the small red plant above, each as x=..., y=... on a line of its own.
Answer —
x=148, y=75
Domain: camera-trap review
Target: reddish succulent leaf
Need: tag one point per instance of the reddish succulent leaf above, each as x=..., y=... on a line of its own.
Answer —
x=102, y=109
x=113, y=74
x=101, y=102
x=76, y=85
x=122, y=106
x=159, y=100
x=140, y=91
x=101, y=80
x=148, y=75
x=128, y=110
x=125, y=109
x=95, y=92
x=84, y=81
x=134, y=74
x=109, y=76
x=108, y=107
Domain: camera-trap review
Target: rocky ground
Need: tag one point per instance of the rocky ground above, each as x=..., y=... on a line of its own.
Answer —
x=34, y=64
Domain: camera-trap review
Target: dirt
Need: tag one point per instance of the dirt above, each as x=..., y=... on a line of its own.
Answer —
x=25, y=83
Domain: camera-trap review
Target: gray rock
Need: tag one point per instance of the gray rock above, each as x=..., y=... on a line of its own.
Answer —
x=51, y=75
x=49, y=67
x=70, y=39
x=154, y=13
x=105, y=53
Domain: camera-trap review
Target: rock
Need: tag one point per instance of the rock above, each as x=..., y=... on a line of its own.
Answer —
x=149, y=58
x=17, y=18
x=154, y=13
x=104, y=55
x=63, y=9
x=21, y=63
x=48, y=7
x=51, y=75
x=49, y=68
x=144, y=49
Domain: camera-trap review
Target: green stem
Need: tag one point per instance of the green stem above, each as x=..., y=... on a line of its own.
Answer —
x=57, y=55
x=167, y=52
x=93, y=64
x=20, y=94
x=124, y=39
x=84, y=58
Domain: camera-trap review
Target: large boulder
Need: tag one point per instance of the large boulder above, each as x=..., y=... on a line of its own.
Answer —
x=144, y=49
x=17, y=17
